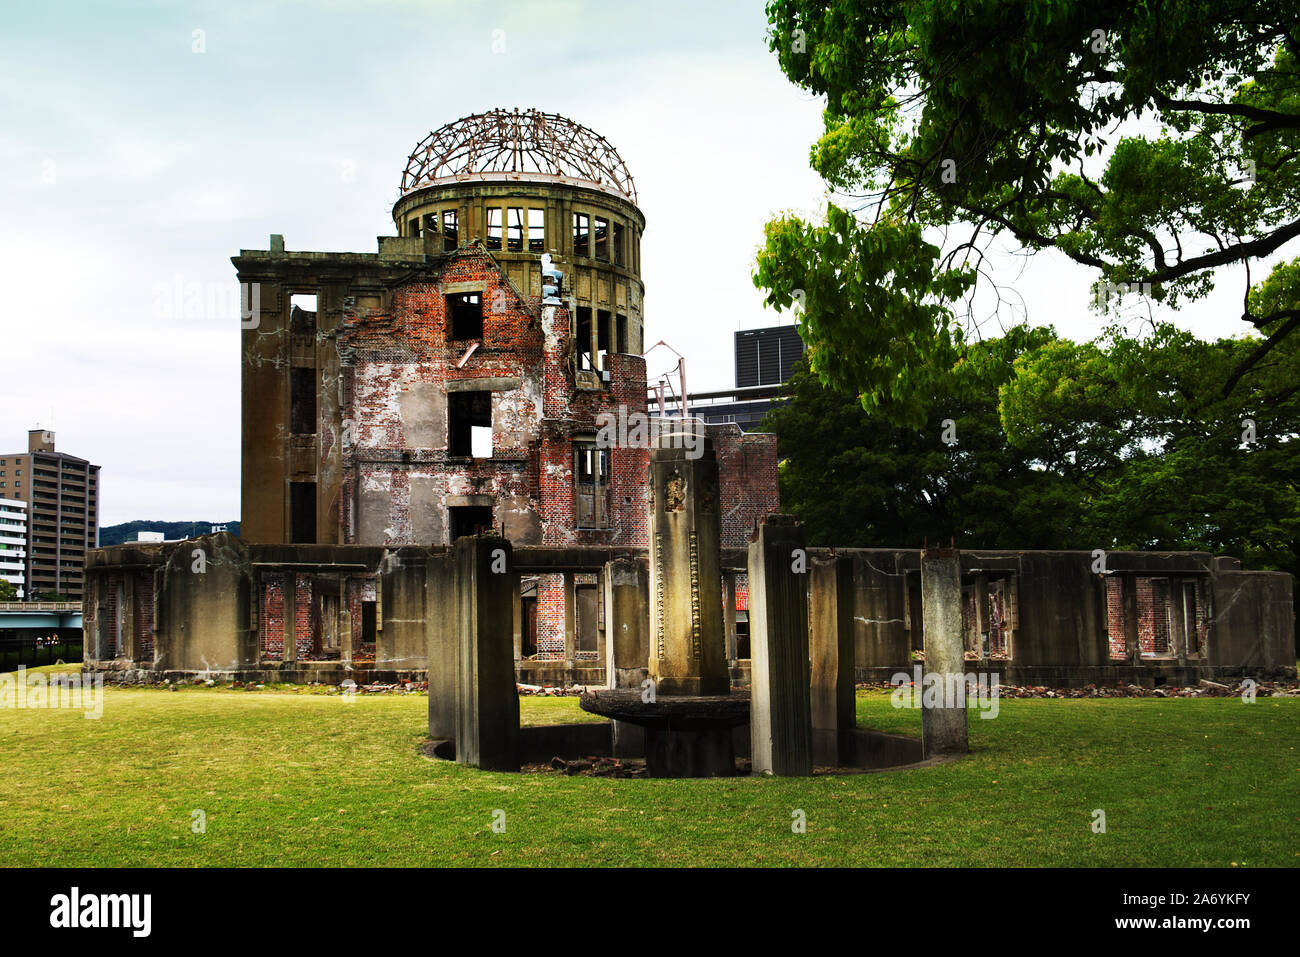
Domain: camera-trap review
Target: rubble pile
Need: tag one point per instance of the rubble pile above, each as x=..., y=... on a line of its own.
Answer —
x=1204, y=688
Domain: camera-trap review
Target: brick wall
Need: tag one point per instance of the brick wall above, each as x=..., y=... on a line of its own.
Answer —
x=1115, y=616
x=747, y=481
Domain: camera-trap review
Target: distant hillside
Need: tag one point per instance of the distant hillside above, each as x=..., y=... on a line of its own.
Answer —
x=126, y=532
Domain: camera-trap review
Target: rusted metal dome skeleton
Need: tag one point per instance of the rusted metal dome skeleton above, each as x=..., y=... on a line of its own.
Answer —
x=507, y=143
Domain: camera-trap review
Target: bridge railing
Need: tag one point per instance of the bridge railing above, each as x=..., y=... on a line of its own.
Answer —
x=62, y=607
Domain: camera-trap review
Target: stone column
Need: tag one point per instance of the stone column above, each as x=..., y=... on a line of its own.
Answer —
x=943, y=698
x=487, y=725
x=1132, y=639
x=127, y=645
x=830, y=635
x=780, y=709
x=687, y=645
x=627, y=620
x=290, y=649
x=442, y=628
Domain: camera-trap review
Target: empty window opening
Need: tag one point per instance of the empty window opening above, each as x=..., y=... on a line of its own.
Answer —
x=302, y=512
x=620, y=337
x=302, y=315
x=581, y=234
x=528, y=627
x=369, y=623
x=602, y=238
x=586, y=624
x=742, y=635
x=582, y=340
x=618, y=244
x=450, y=231
x=495, y=224
x=1155, y=617
x=528, y=617
x=469, y=520
x=414, y=228
x=302, y=401
x=591, y=484
x=536, y=230
x=603, y=320
x=515, y=230
x=469, y=424
x=988, y=612
x=429, y=228
x=465, y=310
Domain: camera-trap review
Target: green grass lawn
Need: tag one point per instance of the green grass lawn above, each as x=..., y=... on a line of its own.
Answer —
x=306, y=779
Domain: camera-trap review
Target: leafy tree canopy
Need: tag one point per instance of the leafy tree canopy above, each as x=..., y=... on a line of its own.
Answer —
x=1156, y=143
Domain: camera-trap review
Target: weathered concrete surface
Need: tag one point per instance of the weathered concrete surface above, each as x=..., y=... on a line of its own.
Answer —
x=403, y=640
x=830, y=636
x=487, y=726
x=627, y=611
x=687, y=642
x=943, y=699
x=442, y=630
x=202, y=622
x=781, y=716
x=1254, y=622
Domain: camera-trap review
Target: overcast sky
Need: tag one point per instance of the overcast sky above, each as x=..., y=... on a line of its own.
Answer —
x=132, y=166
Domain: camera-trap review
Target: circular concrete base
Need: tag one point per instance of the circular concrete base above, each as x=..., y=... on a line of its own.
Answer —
x=685, y=737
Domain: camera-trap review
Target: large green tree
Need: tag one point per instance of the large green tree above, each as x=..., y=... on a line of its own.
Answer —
x=1060, y=445
x=855, y=478
x=1153, y=142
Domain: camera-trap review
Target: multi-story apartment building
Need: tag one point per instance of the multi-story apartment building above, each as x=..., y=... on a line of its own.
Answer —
x=62, y=496
x=13, y=543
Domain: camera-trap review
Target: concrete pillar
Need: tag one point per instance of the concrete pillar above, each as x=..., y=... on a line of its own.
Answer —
x=1132, y=641
x=830, y=636
x=487, y=725
x=627, y=619
x=443, y=656
x=780, y=709
x=687, y=646
x=343, y=621
x=290, y=616
x=127, y=638
x=627, y=647
x=943, y=698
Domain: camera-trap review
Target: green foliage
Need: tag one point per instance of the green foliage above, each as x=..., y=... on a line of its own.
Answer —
x=1030, y=119
x=127, y=531
x=855, y=478
x=8, y=590
x=50, y=596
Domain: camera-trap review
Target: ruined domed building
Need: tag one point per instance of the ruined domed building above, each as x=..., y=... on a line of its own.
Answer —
x=459, y=380
x=452, y=382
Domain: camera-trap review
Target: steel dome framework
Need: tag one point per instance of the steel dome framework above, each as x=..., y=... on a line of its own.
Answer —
x=511, y=142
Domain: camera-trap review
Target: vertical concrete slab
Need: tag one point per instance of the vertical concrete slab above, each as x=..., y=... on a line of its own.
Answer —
x=687, y=646
x=627, y=618
x=627, y=626
x=403, y=584
x=780, y=708
x=1132, y=641
x=943, y=709
x=442, y=627
x=487, y=726
x=830, y=635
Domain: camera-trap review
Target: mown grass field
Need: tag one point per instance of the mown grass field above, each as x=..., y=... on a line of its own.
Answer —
x=306, y=779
